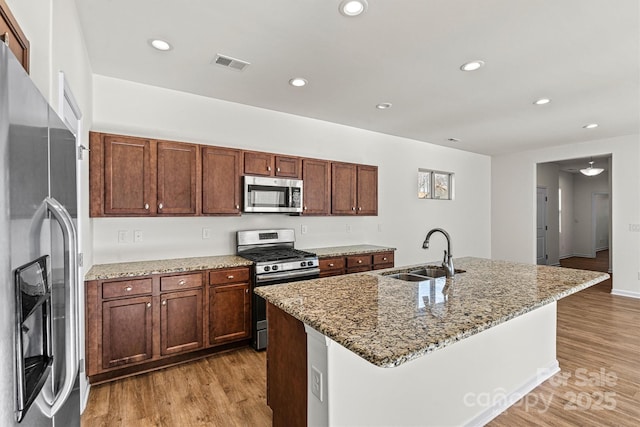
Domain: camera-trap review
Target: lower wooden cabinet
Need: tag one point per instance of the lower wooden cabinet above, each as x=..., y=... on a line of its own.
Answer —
x=126, y=331
x=181, y=322
x=229, y=313
x=335, y=266
x=138, y=324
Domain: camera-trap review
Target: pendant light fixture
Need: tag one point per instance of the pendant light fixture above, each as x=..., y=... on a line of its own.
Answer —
x=591, y=171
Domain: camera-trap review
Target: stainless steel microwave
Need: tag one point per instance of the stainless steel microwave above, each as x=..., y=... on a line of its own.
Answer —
x=273, y=195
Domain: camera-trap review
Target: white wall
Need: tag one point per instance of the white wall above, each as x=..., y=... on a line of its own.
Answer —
x=135, y=109
x=547, y=177
x=513, y=204
x=565, y=182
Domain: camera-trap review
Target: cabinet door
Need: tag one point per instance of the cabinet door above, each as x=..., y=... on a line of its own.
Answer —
x=11, y=34
x=177, y=178
x=128, y=176
x=221, y=186
x=181, y=321
x=316, y=190
x=258, y=163
x=367, y=190
x=126, y=331
x=287, y=167
x=229, y=313
x=343, y=189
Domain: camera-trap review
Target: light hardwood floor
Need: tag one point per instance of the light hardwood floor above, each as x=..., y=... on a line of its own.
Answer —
x=598, y=338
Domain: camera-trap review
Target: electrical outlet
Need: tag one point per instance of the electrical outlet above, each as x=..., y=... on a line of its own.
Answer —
x=206, y=233
x=634, y=227
x=123, y=236
x=316, y=382
x=137, y=236
x=348, y=228
x=303, y=229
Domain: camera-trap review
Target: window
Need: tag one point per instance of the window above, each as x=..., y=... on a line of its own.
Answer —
x=435, y=184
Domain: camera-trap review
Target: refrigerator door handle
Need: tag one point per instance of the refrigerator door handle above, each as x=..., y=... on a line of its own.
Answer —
x=48, y=403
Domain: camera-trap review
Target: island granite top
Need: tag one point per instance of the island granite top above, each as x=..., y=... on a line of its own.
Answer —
x=348, y=250
x=388, y=321
x=175, y=265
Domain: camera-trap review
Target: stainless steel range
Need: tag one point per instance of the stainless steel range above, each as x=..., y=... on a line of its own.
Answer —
x=276, y=261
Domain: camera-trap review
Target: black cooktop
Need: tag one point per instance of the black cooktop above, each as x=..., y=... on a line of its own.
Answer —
x=276, y=254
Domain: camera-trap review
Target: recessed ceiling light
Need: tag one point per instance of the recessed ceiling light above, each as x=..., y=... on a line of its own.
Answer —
x=160, y=44
x=542, y=101
x=352, y=8
x=590, y=126
x=298, y=82
x=383, y=105
x=472, y=65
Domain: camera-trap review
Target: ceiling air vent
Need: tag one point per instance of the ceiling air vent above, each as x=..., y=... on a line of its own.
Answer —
x=229, y=62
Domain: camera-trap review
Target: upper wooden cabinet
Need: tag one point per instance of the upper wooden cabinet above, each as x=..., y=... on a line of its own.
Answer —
x=132, y=176
x=11, y=34
x=354, y=189
x=266, y=164
x=316, y=176
x=221, y=181
x=178, y=178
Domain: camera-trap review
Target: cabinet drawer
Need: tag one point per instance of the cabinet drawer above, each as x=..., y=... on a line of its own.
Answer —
x=358, y=260
x=183, y=281
x=126, y=288
x=231, y=275
x=358, y=269
x=383, y=258
x=336, y=263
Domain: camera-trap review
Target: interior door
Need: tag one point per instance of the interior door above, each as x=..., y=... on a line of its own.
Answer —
x=541, y=226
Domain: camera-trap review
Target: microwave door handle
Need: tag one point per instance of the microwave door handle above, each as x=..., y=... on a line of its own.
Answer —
x=48, y=403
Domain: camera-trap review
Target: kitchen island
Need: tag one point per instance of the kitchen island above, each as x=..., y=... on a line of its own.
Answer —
x=382, y=351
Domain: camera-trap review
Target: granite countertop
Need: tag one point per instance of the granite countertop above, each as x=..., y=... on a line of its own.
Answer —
x=388, y=321
x=348, y=250
x=175, y=265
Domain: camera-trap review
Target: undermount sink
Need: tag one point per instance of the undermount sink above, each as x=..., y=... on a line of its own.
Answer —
x=421, y=274
x=409, y=277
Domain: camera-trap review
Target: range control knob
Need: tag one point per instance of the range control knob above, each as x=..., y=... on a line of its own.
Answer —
x=267, y=268
x=310, y=263
x=274, y=268
x=303, y=264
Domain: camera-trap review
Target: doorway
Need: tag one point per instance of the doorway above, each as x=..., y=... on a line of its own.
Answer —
x=541, y=225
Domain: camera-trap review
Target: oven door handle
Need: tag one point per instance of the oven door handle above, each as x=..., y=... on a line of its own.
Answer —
x=272, y=277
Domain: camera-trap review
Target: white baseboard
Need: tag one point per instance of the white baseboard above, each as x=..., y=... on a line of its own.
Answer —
x=502, y=405
x=622, y=293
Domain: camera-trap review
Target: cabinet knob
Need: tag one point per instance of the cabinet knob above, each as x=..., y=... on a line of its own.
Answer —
x=353, y=208
x=164, y=302
x=146, y=206
x=246, y=291
x=305, y=208
x=128, y=289
x=360, y=208
x=5, y=38
x=237, y=206
x=269, y=168
x=331, y=265
x=277, y=169
x=181, y=282
x=230, y=277
x=148, y=305
x=384, y=258
x=359, y=261
x=160, y=206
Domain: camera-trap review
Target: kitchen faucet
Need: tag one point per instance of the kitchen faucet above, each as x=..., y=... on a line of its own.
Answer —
x=447, y=262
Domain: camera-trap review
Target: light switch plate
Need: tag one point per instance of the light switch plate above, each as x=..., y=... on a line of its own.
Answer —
x=316, y=383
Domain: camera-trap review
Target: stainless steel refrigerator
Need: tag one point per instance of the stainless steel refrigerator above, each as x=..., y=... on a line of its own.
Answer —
x=38, y=257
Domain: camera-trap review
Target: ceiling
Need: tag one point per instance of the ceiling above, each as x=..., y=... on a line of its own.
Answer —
x=583, y=54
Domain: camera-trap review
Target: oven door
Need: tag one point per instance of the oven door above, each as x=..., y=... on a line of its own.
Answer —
x=275, y=195
x=259, y=305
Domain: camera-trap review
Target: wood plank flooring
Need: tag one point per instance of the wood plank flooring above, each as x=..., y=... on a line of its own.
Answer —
x=598, y=349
